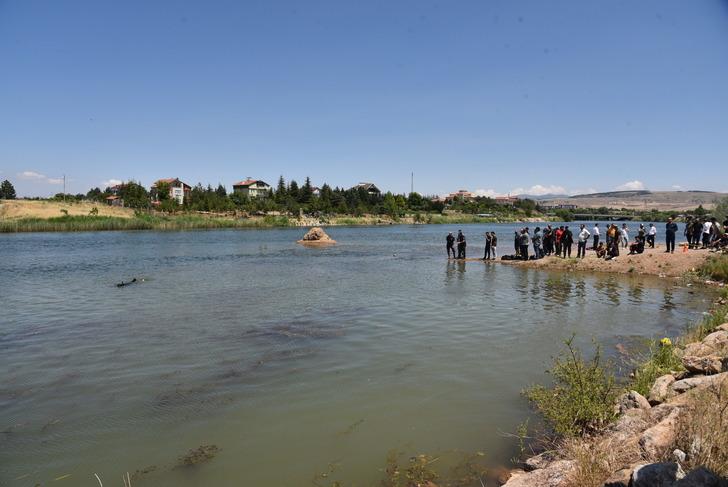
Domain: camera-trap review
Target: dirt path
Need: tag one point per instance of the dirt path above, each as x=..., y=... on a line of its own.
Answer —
x=652, y=261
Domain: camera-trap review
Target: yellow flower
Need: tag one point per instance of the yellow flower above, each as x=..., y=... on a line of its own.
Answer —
x=666, y=342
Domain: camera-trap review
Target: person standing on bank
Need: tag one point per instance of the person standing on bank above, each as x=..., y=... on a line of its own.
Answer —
x=595, y=236
x=486, y=255
x=524, y=241
x=567, y=240
x=707, y=230
x=450, y=240
x=651, y=235
x=670, y=231
x=517, y=242
x=537, y=250
x=493, y=245
x=461, y=245
x=583, y=238
x=625, y=235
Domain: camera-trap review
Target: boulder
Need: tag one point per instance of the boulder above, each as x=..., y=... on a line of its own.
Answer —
x=631, y=400
x=718, y=340
x=555, y=475
x=698, y=349
x=708, y=365
x=541, y=460
x=655, y=440
x=625, y=428
x=679, y=455
x=701, y=477
x=698, y=381
x=723, y=327
x=657, y=475
x=316, y=235
x=661, y=390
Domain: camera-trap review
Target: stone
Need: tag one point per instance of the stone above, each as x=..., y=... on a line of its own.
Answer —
x=708, y=365
x=661, y=391
x=723, y=327
x=619, y=479
x=718, y=340
x=698, y=349
x=316, y=235
x=701, y=477
x=555, y=475
x=656, y=440
x=541, y=460
x=627, y=425
x=698, y=381
x=657, y=475
x=679, y=455
x=631, y=400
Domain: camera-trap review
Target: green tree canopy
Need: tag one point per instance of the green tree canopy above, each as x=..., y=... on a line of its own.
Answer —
x=7, y=190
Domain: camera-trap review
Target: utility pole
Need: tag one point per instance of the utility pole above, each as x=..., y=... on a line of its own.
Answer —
x=64, y=187
x=412, y=183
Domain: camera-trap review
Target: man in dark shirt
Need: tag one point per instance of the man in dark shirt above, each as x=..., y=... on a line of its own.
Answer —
x=670, y=231
x=450, y=239
x=567, y=238
x=461, y=245
x=486, y=255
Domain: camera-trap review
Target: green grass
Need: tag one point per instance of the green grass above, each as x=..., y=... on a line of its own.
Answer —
x=716, y=268
x=660, y=360
x=138, y=222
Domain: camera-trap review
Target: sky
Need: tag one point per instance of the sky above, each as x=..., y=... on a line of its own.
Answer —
x=491, y=96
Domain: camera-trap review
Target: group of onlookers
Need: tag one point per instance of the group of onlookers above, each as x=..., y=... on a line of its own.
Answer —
x=558, y=241
x=707, y=232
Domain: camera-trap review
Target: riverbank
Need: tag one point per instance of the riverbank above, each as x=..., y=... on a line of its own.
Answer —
x=58, y=216
x=671, y=432
x=652, y=262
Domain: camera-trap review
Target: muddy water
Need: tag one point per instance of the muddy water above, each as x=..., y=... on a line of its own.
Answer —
x=291, y=361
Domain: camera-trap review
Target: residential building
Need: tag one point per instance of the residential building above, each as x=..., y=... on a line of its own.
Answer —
x=114, y=200
x=369, y=187
x=506, y=200
x=461, y=194
x=252, y=188
x=177, y=190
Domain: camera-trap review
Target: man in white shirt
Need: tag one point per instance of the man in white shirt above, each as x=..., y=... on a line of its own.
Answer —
x=625, y=235
x=707, y=227
x=595, y=233
x=651, y=236
x=581, y=245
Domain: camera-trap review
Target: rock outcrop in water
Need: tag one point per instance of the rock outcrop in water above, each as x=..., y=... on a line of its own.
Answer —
x=316, y=236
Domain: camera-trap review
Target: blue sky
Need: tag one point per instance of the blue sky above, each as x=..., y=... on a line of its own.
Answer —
x=496, y=96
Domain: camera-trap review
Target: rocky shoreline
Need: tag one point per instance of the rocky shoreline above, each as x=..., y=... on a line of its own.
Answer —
x=642, y=447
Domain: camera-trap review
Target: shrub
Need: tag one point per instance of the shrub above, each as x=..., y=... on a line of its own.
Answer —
x=703, y=430
x=583, y=394
x=716, y=268
x=660, y=361
x=596, y=459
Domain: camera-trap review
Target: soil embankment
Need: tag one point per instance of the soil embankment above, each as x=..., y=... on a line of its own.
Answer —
x=652, y=262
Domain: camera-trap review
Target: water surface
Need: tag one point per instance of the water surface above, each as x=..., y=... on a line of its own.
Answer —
x=287, y=358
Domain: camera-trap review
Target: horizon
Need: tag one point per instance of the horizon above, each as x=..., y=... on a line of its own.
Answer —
x=515, y=98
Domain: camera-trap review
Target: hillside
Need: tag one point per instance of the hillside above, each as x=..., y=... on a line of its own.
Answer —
x=49, y=209
x=642, y=200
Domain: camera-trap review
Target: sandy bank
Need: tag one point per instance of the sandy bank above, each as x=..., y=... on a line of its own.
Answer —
x=653, y=262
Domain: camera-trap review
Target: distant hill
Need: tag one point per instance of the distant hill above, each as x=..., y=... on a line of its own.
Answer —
x=541, y=197
x=641, y=200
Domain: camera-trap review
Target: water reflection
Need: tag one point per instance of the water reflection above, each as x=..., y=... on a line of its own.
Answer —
x=636, y=292
x=610, y=288
x=667, y=300
x=556, y=290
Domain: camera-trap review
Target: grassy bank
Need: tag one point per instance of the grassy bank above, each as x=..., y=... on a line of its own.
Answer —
x=139, y=222
x=187, y=221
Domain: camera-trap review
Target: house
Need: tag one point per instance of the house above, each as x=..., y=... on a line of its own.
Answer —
x=115, y=189
x=316, y=191
x=177, y=190
x=461, y=194
x=252, y=188
x=114, y=200
x=370, y=188
x=506, y=200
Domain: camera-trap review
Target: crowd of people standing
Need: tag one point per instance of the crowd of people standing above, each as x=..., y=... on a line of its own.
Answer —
x=559, y=241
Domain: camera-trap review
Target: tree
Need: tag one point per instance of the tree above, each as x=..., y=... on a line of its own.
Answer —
x=221, y=191
x=7, y=190
x=306, y=192
x=280, y=193
x=721, y=210
x=162, y=190
x=134, y=195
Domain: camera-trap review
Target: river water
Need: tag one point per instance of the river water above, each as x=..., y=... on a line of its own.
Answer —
x=291, y=360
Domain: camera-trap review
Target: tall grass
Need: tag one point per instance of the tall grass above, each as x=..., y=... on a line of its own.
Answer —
x=138, y=222
x=716, y=268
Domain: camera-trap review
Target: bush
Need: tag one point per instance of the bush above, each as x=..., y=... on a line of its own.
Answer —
x=660, y=361
x=583, y=394
x=703, y=430
x=716, y=268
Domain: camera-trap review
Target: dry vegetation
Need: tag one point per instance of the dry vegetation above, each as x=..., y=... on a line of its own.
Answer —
x=16, y=209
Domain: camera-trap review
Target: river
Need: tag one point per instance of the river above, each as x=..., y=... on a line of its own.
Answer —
x=291, y=360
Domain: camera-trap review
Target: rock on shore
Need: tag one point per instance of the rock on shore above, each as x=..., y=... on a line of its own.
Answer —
x=316, y=236
x=646, y=430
